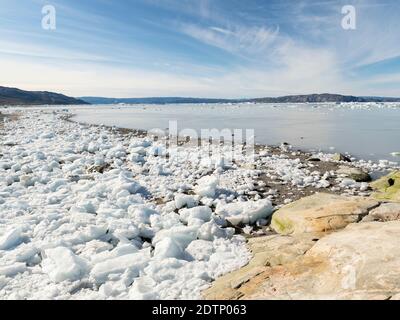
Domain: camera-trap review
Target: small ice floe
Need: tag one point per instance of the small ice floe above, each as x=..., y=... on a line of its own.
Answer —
x=168, y=248
x=323, y=184
x=61, y=264
x=133, y=262
x=248, y=230
x=13, y=269
x=364, y=186
x=347, y=182
x=183, y=200
x=200, y=213
x=11, y=238
x=200, y=250
x=245, y=212
x=207, y=186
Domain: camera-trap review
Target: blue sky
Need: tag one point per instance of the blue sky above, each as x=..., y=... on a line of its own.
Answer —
x=202, y=48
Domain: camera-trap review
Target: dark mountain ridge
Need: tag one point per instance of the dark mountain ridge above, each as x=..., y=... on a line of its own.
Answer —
x=14, y=96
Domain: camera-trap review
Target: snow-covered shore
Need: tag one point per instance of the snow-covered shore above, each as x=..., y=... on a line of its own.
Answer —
x=70, y=232
x=87, y=212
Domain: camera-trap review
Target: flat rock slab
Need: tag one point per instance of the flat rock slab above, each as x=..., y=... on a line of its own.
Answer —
x=268, y=252
x=387, y=188
x=385, y=212
x=321, y=212
x=359, y=262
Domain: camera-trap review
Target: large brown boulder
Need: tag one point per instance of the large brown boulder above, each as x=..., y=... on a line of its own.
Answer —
x=354, y=173
x=359, y=262
x=321, y=212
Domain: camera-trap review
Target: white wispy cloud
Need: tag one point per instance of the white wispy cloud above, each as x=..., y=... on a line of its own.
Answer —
x=238, y=39
x=301, y=73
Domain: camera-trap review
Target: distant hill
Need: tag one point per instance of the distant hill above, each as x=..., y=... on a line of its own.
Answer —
x=155, y=100
x=13, y=96
x=310, y=98
x=325, y=97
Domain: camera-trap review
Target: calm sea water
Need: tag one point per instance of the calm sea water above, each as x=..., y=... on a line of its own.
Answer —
x=366, y=131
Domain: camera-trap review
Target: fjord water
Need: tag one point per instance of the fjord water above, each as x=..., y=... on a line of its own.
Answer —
x=367, y=131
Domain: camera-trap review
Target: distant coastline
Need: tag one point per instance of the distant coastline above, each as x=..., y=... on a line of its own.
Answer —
x=15, y=96
x=310, y=98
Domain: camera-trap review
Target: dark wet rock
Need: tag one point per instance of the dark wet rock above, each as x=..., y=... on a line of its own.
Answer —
x=356, y=174
x=340, y=157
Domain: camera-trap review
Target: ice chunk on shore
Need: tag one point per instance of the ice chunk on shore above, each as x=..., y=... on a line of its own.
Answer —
x=245, y=212
x=132, y=262
x=119, y=251
x=12, y=270
x=168, y=248
x=323, y=184
x=348, y=183
x=211, y=231
x=141, y=213
x=200, y=250
x=202, y=213
x=182, y=235
x=144, y=288
x=207, y=186
x=157, y=151
x=184, y=200
x=11, y=239
x=23, y=253
x=116, y=152
x=61, y=264
x=57, y=184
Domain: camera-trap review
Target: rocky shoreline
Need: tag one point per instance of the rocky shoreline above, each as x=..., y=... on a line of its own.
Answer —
x=336, y=173
x=325, y=247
